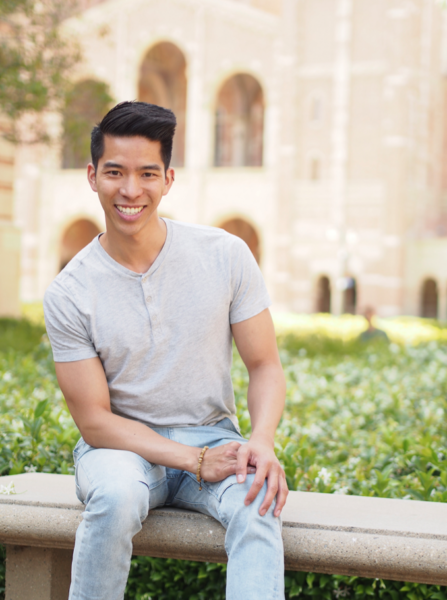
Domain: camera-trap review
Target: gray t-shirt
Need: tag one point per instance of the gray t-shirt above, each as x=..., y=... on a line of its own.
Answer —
x=164, y=336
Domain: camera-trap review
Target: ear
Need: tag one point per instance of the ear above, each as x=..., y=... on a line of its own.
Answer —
x=169, y=180
x=91, y=176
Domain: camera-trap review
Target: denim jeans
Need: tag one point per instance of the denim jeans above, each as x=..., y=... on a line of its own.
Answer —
x=119, y=488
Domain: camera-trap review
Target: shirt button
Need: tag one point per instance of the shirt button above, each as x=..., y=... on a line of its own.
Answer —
x=149, y=298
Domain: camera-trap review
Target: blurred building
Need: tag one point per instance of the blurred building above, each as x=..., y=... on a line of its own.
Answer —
x=9, y=235
x=314, y=129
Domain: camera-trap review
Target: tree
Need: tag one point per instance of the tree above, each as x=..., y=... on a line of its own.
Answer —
x=86, y=102
x=35, y=62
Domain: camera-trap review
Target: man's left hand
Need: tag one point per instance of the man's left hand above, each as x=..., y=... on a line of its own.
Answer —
x=259, y=453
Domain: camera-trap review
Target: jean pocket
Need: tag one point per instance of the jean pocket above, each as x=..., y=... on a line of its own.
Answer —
x=80, y=449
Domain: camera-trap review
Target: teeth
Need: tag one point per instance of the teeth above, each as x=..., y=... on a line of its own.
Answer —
x=129, y=211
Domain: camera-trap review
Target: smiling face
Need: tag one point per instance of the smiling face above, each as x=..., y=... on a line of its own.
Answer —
x=130, y=181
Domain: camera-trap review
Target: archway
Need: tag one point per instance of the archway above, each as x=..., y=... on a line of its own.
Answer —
x=323, y=304
x=246, y=232
x=163, y=82
x=239, y=123
x=76, y=236
x=85, y=105
x=429, y=299
x=350, y=296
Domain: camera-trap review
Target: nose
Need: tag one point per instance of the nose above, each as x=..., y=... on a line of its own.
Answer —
x=131, y=188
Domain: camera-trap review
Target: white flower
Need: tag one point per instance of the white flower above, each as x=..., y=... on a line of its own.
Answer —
x=8, y=490
x=324, y=475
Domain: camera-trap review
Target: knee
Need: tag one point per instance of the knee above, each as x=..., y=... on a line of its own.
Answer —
x=121, y=501
x=233, y=505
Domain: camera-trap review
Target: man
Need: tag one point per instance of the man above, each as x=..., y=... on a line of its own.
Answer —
x=372, y=332
x=141, y=324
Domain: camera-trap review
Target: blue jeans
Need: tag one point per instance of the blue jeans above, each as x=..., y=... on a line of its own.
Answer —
x=119, y=488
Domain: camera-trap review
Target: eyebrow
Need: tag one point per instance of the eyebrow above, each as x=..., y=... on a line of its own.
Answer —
x=110, y=164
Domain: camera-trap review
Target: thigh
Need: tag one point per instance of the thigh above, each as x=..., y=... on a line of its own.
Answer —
x=116, y=471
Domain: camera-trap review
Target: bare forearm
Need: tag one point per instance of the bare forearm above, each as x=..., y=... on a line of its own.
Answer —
x=106, y=430
x=266, y=398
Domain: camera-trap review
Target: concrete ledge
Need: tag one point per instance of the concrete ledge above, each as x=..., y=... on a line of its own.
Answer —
x=371, y=537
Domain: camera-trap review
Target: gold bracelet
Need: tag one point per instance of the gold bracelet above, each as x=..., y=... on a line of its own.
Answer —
x=199, y=477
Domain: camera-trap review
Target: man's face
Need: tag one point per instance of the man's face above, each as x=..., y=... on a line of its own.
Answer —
x=130, y=181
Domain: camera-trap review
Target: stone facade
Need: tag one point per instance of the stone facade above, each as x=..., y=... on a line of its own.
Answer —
x=317, y=126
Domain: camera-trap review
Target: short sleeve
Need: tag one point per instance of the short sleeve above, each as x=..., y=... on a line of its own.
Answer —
x=68, y=335
x=249, y=294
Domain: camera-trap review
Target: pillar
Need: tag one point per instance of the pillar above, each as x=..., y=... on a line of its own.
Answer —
x=37, y=573
x=9, y=235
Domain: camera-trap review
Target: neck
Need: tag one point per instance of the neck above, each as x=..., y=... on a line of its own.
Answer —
x=136, y=252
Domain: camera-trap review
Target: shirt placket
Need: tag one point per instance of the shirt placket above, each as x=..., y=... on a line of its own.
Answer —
x=151, y=307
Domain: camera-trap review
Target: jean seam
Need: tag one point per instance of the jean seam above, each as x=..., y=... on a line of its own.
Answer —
x=79, y=466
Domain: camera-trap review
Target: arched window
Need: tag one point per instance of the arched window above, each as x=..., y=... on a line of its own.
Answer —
x=163, y=82
x=76, y=236
x=239, y=123
x=246, y=232
x=323, y=304
x=85, y=105
x=429, y=299
x=350, y=295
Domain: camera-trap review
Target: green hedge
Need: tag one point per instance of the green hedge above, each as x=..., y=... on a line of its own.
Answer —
x=364, y=420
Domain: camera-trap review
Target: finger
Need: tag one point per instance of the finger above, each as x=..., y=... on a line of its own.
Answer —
x=258, y=482
x=232, y=448
x=272, y=489
x=241, y=464
x=281, y=496
x=251, y=470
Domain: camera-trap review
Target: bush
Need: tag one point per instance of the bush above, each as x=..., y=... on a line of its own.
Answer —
x=359, y=419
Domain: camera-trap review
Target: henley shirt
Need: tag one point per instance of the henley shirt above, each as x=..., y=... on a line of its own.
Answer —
x=164, y=336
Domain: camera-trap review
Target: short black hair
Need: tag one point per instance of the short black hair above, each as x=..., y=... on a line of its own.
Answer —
x=132, y=118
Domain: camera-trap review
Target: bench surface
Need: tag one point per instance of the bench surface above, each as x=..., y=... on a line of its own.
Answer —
x=327, y=533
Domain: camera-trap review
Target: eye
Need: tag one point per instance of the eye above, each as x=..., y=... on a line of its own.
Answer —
x=113, y=173
x=148, y=175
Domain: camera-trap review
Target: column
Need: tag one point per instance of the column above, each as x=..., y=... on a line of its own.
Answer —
x=9, y=236
x=339, y=140
x=37, y=573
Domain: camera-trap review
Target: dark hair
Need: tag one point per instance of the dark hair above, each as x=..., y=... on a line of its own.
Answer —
x=135, y=119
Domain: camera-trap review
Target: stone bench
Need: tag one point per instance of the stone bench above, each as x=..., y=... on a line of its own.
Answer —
x=402, y=540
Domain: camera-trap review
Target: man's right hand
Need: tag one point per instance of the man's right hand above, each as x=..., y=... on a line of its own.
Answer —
x=221, y=462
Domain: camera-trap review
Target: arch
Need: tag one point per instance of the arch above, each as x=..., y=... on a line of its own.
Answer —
x=323, y=299
x=246, y=232
x=239, y=123
x=75, y=237
x=350, y=296
x=163, y=81
x=429, y=299
x=86, y=104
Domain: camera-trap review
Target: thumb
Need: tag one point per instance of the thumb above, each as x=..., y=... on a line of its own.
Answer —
x=241, y=464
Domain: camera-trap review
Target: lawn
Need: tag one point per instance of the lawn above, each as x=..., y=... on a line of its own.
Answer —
x=360, y=419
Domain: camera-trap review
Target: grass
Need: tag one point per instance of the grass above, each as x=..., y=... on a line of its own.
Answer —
x=359, y=419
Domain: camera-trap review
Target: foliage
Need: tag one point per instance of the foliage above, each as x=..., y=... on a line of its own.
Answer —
x=85, y=104
x=169, y=579
x=19, y=335
x=37, y=431
x=36, y=59
x=360, y=419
